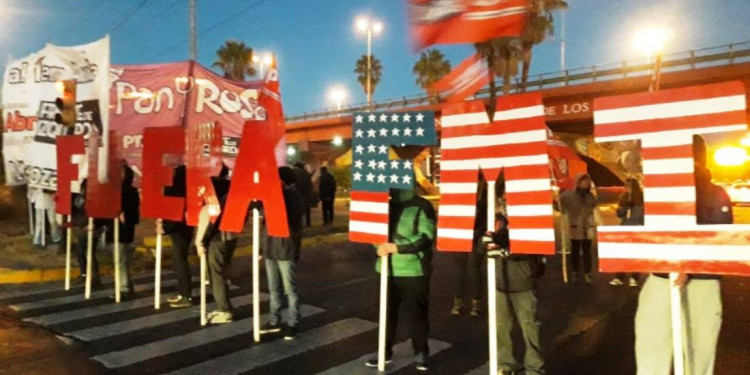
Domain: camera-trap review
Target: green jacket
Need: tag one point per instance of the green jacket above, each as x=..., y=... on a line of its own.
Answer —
x=413, y=230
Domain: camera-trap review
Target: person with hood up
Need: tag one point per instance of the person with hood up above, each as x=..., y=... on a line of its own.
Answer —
x=579, y=205
x=630, y=212
x=412, y=233
x=327, y=189
x=129, y=217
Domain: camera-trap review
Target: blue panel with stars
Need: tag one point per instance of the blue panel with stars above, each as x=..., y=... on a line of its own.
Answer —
x=372, y=135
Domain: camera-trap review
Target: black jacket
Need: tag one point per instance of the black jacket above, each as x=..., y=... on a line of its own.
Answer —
x=282, y=248
x=304, y=185
x=327, y=186
x=130, y=207
x=178, y=189
x=516, y=272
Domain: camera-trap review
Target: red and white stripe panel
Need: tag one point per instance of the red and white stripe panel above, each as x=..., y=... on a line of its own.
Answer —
x=368, y=217
x=665, y=123
x=516, y=143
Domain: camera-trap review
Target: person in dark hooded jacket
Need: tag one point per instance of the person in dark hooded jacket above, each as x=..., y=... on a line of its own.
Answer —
x=579, y=205
x=129, y=217
x=80, y=221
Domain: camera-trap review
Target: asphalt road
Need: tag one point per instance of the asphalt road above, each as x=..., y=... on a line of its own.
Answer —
x=586, y=329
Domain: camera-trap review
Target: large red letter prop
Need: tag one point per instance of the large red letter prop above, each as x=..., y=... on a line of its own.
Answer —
x=158, y=142
x=665, y=122
x=515, y=142
x=67, y=171
x=256, y=178
x=103, y=200
x=203, y=160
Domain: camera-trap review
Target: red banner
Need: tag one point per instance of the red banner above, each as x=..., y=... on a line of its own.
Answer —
x=67, y=171
x=466, y=79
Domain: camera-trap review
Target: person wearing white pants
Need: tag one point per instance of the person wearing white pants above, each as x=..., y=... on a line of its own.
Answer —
x=44, y=209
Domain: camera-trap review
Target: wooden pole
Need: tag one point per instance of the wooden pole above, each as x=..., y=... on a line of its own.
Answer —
x=68, y=234
x=157, y=274
x=383, y=321
x=256, y=268
x=89, y=256
x=204, y=321
x=116, y=244
x=677, y=339
x=491, y=283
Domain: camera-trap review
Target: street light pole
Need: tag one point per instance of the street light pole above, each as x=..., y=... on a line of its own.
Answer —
x=193, y=36
x=369, y=65
x=656, y=77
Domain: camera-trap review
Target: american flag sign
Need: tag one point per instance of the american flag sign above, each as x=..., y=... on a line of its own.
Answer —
x=516, y=142
x=665, y=122
x=374, y=173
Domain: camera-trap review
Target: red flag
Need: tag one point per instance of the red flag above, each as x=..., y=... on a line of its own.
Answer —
x=462, y=21
x=468, y=77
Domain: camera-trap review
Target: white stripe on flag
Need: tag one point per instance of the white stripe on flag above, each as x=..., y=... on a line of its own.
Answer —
x=480, y=118
x=458, y=187
x=669, y=194
x=671, y=137
x=669, y=220
x=530, y=210
x=711, y=253
x=369, y=207
x=523, y=186
x=460, y=210
x=475, y=118
x=368, y=227
x=474, y=141
x=668, y=166
x=673, y=228
x=472, y=164
x=465, y=234
x=547, y=235
x=669, y=110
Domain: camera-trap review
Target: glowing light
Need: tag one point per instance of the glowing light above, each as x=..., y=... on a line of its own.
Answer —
x=337, y=141
x=60, y=86
x=652, y=40
x=268, y=59
x=377, y=27
x=745, y=141
x=362, y=23
x=337, y=94
x=256, y=59
x=291, y=151
x=730, y=156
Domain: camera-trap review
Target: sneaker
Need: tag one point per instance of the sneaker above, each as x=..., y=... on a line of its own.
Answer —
x=290, y=334
x=421, y=361
x=174, y=298
x=271, y=328
x=476, y=307
x=373, y=362
x=212, y=314
x=616, y=282
x=633, y=282
x=587, y=279
x=456, y=309
x=182, y=302
x=221, y=317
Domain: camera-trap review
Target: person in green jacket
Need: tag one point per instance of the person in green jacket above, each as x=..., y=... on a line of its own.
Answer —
x=516, y=303
x=412, y=235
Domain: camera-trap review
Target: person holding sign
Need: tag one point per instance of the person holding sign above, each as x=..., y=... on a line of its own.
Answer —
x=516, y=302
x=579, y=205
x=701, y=300
x=412, y=235
x=281, y=255
x=630, y=211
x=80, y=220
x=128, y=219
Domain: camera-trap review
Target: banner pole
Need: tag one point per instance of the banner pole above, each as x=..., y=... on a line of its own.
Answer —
x=68, y=234
x=157, y=273
x=383, y=321
x=204, y=321
x=256, y=274
x=31, y=219
x=89, y=255
x=677, y=339
x=491, y=283
x=44, y=227
x=116, y=244
x=564, y=244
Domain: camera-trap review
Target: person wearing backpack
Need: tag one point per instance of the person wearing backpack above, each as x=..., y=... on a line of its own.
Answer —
x=412, y=235
x=701, y=302
x=516, y=302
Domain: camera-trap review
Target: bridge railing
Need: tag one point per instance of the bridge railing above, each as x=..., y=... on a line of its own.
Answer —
x=700, y=58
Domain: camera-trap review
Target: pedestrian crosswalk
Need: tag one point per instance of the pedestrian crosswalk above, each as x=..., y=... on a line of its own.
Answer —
x=133, y=338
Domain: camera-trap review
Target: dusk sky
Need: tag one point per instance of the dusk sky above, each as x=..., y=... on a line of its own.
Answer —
x=316, y=42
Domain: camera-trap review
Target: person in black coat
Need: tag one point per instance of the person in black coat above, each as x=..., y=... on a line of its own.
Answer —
x=303, y=183
x=327, y=189
x=129, y=217
x=80, y=221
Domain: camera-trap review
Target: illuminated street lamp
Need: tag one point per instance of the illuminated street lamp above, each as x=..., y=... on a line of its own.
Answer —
x=730, y=156
x=745, y=141
x=266, y=60
x=651, y=41
x=337, y=95
x=370, y=27
x=337, y=140
x=291, y=151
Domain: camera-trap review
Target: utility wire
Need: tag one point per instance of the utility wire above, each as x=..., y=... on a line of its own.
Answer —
x=125, y=17
x=214, y=26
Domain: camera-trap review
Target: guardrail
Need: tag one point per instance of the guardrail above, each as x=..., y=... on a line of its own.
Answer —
x=713, y=56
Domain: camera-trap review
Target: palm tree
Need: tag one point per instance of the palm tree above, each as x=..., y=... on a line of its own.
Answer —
x=539, y=25
x=361, y=70
x=430, y=68
x=235, y=59
x=502, y=56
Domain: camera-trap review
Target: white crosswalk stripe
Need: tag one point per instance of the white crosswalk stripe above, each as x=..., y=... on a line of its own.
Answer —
x=90, y=312
x=151, y=321
x=403, y=357
x=59, y=287
x=260, y=355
